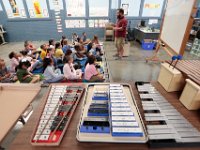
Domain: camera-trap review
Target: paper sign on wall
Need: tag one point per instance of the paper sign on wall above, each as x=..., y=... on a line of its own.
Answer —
x=56, y=4
x=37, y=8
x=133, y=8
x=152, y=8
x=14, y=8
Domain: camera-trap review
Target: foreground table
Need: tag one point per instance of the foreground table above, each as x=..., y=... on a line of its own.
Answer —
x=14, y=99
x=22, y=141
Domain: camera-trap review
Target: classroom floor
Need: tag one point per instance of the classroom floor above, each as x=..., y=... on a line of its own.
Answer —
x=132, y=68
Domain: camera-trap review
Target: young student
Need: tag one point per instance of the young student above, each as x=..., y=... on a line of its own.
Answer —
x=50, y=74
x=69, y=72
x=52, y=43
x=50, y=54
x=23, y=75
x=74, y=38
x=91, y=73
x=94, y=52
x=5, y=75
x=78, y=52
x=58, y=53
x=28, y=46
x=62, y=40
x=35, y=64
x=84, y=37
x=96, y=42
x=66, y=47
x=43, y=53
x=14, y=61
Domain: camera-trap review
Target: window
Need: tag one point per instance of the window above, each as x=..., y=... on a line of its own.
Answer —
x=14, y=8
x=37, y=8
x=152, y=8
x=75, y=23
x=75, y=8
x=98, y=8
x=97, y=23
x=131, y=7
x=1, y=7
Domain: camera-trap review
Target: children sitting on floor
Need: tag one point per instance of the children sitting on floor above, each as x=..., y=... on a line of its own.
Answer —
x=66, y=47
x=14, y=61
x=69, y=71
x=74, y=38
x=62, y=40
x=91, y=73
x=58, y=51
x=23, y=75
x=94, y=52
x=43, y=53
x=79, y=54
x=35, y=64
x=28, y=46
x=52, y=43
x=50, y=74
x=5, y=75
x=96, y=42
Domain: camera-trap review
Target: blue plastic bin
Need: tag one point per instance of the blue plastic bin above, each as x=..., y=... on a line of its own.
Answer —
x=148, y=45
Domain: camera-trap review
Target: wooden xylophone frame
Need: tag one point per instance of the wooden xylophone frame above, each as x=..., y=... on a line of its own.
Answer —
x=176, y=123
x=190, y=68
x=72, y=111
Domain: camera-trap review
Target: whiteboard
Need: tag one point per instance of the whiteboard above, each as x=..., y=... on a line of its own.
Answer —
x=177, y=16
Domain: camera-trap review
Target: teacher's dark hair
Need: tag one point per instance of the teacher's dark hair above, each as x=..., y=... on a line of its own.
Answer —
x=121, y=10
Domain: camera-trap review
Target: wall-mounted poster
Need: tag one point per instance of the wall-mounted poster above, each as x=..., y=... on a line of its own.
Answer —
x=98, y=8
x=125, y=7
x=37, y=8
x=75, y=8
x=152, y=8
x=133, y=7
x=75, y=23
x=56, y=4
x=14, y=8
x=98, y=23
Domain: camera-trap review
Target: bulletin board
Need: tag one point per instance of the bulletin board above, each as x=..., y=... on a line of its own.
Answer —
x=177, y=24
x=75, y=23
x=152, y=8
x=14, y=8
x=75, y=8
x=37, y=8
x=132, y=6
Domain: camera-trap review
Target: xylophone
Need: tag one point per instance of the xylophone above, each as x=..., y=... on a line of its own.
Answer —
x=190, y=68
x=166, y=127
x=56, y=115
x=110, y=115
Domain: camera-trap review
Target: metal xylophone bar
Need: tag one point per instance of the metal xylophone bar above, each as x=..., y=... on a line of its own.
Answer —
x=165, y=125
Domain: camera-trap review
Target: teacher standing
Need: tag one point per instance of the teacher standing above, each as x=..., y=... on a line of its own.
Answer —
x=120, y=33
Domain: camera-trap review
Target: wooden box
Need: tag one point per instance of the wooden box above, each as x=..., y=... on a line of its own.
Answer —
x=190, y=96
x=171, y=79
